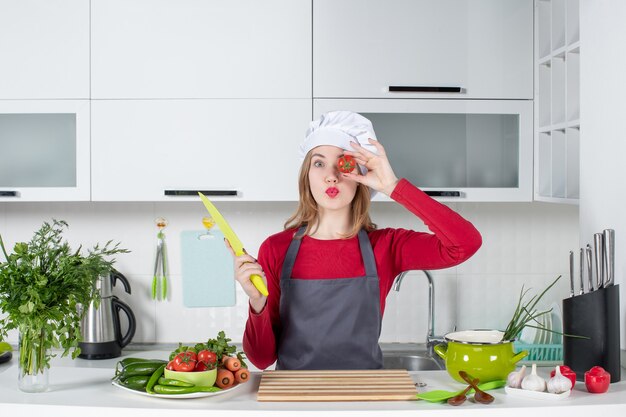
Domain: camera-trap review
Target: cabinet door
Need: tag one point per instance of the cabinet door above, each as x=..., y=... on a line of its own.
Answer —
x=484, y=47
x=201, y=49
x=142, y=148
x=480, y=149
x=44, y=47
x=44, y=150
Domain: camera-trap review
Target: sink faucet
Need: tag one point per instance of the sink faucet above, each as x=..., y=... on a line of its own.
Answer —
x=431, y=340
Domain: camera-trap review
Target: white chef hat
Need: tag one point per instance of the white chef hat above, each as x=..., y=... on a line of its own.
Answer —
x=339, y=128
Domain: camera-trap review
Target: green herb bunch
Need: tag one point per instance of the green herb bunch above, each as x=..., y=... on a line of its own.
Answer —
x=42, y=284
x=526, y=314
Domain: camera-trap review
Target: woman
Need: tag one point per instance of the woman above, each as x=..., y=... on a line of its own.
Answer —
x=329, y=271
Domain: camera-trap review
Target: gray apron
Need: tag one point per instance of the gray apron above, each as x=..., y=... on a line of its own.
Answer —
x=330, y=323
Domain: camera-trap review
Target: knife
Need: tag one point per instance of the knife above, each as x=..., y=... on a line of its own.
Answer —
x=234, y=241
x=571, y=273
x=609, y=256
x=589, y=267
x=582, y=271
x=598, y=247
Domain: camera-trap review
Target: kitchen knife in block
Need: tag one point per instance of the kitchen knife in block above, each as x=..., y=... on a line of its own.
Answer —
x=234, y=241
x=207, y=270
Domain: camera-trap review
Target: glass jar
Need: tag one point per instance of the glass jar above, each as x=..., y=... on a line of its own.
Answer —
x=32, y=363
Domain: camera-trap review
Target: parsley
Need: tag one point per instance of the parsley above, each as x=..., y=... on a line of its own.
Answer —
x=43, y=283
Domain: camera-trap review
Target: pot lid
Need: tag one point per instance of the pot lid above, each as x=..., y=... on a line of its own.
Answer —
x=483, y=337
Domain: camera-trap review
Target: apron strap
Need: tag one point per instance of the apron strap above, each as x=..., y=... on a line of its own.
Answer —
x=364, y=243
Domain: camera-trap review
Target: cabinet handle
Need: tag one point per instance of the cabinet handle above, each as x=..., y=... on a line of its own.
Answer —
x=443, y=193
x=8, y=194
x=423, y=89
x=194, y=193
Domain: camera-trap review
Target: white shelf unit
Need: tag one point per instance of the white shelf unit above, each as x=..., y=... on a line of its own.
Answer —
x=557, y=101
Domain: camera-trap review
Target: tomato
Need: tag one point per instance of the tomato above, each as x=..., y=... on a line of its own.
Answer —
x=597, y=380
x=207, y=357
x=185, y=361
x=200, y=366
x=346, y=164
x=566, y=372
x=170, y=366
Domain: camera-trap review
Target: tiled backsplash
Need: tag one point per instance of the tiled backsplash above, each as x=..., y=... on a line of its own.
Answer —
x=523, y=244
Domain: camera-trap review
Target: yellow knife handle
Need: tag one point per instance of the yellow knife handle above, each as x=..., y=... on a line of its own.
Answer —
x=257, y=281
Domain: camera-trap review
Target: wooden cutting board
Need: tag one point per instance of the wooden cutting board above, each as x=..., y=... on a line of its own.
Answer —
x=353, y=385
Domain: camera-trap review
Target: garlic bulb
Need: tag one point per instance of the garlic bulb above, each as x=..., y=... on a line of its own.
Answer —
x=559, y=383
x=534, y=382
x=514, y=380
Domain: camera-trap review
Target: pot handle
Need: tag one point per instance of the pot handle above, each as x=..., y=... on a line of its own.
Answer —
x=441, y=350
x=518, y=357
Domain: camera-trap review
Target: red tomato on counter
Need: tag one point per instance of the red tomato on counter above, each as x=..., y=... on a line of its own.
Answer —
x=566, y=372
x=597, y=380
x=346, y=164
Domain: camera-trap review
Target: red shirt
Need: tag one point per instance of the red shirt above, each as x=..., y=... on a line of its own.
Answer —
x=452, y=241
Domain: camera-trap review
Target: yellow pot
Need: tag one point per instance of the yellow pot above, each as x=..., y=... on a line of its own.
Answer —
x=481, y=353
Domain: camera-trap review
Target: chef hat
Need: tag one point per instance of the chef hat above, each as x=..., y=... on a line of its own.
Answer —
x=339, y=128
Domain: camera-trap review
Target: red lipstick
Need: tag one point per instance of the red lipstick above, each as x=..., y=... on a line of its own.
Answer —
x=332, y=192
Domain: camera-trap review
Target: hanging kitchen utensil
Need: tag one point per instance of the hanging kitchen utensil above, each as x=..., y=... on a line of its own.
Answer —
x=234, y=241
x=159, y=279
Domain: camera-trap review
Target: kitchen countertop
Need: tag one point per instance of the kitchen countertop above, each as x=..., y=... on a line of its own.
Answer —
x=83, y=388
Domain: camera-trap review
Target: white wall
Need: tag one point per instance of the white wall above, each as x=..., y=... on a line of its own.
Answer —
x=524, y=243
x=602, y=115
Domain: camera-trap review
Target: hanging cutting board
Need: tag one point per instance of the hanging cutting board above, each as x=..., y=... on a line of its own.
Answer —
x=341, y=385
x=207, y=270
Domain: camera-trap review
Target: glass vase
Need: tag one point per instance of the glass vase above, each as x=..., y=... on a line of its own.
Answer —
x=32, y=363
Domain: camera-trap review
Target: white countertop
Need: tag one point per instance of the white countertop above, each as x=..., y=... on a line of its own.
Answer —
x=82, y=388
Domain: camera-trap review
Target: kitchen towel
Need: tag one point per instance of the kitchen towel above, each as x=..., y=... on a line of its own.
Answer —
x=207, y=269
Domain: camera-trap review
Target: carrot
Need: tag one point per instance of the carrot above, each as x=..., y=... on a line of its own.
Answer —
x=232, y=364
x=225, y=378
x=242, y=375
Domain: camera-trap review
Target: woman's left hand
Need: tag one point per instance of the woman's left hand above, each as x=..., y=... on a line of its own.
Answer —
x=380, y=176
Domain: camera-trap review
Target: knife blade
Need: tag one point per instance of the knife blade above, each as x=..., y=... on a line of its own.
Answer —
x=598, y=247
x=609, y=256
x=571, y=273
x=234, y=241
x=589, y=267
x=582, y=271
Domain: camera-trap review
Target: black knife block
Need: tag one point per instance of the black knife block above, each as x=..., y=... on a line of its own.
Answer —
x=595, y=315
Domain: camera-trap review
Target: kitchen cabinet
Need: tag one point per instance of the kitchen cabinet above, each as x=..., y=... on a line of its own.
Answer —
x=456, y=150
x=249, y=148
x=201, y=49
x=482, y=47
x=557, y=114
x=45, y=150
x=44, y=47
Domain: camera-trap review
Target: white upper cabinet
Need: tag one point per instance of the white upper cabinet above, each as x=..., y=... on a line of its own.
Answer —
x=44, y=150
x=44, y=49
x=166, y=150
x=201, y=49
x=484, y=48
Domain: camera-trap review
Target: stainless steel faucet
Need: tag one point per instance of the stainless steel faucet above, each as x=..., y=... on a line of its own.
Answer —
x=431, y=340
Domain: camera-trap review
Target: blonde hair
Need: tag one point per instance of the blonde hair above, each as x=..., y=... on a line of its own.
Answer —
x=307, y=213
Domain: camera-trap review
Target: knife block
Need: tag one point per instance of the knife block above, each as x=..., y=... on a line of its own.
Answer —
x=595, y=315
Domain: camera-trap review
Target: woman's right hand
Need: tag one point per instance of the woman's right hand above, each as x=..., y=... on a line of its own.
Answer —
x=245, y=266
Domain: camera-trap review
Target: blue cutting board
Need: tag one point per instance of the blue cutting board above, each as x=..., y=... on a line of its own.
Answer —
x=207, y=270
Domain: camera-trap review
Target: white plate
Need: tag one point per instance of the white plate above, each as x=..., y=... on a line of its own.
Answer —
x=536, y=394
x=177, y=396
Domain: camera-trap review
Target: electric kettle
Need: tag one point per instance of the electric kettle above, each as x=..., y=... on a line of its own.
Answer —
x=100, y=327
